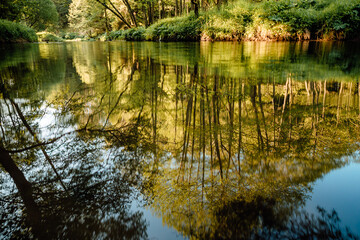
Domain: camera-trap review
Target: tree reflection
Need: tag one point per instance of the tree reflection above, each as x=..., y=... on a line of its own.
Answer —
x=219, y=152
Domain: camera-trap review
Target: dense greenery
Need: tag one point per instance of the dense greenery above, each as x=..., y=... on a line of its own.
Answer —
x=38, y=14
x=184, y=20
x=268, y=20
x=15, y=32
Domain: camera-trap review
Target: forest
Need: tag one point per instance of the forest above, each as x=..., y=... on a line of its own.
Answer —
x=178, y=20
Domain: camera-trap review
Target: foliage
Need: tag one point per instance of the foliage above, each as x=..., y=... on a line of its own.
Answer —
x=170, y=29
x=48, y=37
x=10, y=9
x=324, y=19
x=228, y=23
x=62, y=7
x=176, y=29
x=86, y=17
x=16, y=32
x=116, y=35
x=40, y=14
x=69, y=35
x=134, y=34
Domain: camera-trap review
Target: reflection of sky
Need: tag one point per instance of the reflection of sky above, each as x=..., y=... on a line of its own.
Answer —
x=340, y=190
x=156, y=229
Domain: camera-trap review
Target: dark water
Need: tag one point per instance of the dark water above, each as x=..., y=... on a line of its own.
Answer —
x=127, y=140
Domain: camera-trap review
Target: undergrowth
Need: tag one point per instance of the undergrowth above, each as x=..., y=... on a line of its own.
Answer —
x=16, y=32
x=261, y=20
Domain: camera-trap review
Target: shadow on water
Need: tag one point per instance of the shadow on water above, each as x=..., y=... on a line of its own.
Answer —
x=218, y=146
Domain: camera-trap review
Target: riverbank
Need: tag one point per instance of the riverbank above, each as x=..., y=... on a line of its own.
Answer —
x=16, y=32
x=242, y=20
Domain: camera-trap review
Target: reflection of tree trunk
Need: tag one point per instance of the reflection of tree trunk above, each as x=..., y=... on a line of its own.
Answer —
x=307, y=88
x=290, y=112
x=210, y=127
x=217, y=122
x=203, y=132
x=274, y=111
x=285, y=99
x=231, y=103
x=24, y=187
x=177, y=70
x=47, y=157
x=194, y=124
x=339, y=103
x=186, y=131
x=240, y=127
x=315, y=120
x=263, y=115
x=253, y=101
x=350, y=96
x=324, y=100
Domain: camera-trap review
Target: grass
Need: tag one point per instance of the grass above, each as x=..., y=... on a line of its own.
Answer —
x=16, y=32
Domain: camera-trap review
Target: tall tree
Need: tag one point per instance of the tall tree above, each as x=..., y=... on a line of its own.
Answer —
x=62, y=7
x=40, y=14
x=87, y=16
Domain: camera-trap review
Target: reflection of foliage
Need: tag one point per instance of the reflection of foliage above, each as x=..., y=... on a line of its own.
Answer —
x=218, y=150
x=96, y=204
x=325, y=225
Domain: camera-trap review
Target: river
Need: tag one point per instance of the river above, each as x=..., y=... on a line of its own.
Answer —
x=148, y=140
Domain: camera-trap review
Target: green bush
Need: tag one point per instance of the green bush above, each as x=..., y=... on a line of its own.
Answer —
x=116, y=35
x=341, y=19
x=186, y=28
x=16, y=32
x=324, y=19
x=134, y=34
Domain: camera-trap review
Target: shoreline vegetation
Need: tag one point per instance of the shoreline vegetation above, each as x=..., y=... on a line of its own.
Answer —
x=16, y=32
x=241, y=20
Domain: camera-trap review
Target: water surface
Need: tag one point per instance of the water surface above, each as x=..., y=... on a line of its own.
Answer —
x=128, y=140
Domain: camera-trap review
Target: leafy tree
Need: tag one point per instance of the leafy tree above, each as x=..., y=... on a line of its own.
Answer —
x=10, y=9
x=87, y=17
x=62, y=7
x=40, y=14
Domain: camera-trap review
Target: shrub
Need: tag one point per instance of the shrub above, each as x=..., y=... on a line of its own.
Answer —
x=116, y=35
x=340, y=19
x=16, y=32
x=134, y=34
x=186, y=28
x=229, y=23
x=324, y=19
